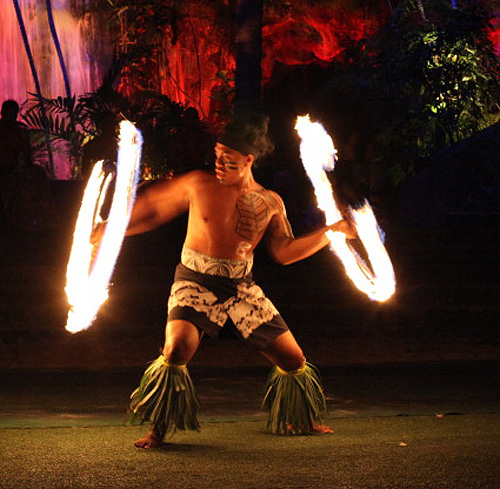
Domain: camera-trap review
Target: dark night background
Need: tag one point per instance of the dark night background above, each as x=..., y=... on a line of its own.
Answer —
x=432, y=179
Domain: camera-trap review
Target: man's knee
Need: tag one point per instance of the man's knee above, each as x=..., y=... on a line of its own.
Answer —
x=292, y=362
x=285, y=352
x=181, y=341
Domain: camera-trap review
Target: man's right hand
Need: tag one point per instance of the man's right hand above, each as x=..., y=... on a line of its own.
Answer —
x=95, y=240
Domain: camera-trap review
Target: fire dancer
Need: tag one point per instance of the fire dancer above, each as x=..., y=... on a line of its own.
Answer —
x=229, y=214
x=15, y=152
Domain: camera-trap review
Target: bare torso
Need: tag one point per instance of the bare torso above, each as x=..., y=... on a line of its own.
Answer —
x=228, y=221
x=229, y=212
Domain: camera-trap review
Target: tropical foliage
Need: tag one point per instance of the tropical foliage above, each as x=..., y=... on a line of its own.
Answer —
x=427, y=80
x=441, y=79
x=430, y=79
x=76, y=122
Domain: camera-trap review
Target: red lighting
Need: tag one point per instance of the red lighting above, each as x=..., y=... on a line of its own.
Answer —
x=495, y=34
x=314, y=35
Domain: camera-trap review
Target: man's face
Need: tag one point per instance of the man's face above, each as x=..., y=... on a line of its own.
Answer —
x=230, y=165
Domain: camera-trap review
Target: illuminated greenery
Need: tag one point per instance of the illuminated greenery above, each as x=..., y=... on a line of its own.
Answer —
x=438, y=79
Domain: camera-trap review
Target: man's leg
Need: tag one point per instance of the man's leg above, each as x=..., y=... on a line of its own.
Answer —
x=285, y=352
x=292, y=372
x=182, y=339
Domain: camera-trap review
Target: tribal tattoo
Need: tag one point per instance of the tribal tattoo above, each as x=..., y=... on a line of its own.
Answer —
x=253, y=211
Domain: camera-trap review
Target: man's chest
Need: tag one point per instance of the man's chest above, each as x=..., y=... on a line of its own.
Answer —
x=247, y=214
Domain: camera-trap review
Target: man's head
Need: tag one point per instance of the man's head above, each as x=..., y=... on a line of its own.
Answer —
x=247, y=133
x=10, y=109
x=243, y=141
x=231, y=165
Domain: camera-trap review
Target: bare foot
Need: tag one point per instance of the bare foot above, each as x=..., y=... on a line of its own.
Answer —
x=151, y=440
x=315, y=429
x=321, y=429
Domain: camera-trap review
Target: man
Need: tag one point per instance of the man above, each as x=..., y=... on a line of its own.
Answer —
x=103, y=146
x=14, y=145
x=25, y=199
x=14, y=139
x=229, y=214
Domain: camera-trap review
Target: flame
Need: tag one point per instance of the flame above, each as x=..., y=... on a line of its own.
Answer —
x=318, y=156
x=88, y=290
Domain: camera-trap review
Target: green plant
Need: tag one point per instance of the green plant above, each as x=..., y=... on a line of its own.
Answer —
x=438, y=79
x=78, y=122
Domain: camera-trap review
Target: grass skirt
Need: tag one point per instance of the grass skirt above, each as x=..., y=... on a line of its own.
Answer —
x=295, y=400
x=165, y=397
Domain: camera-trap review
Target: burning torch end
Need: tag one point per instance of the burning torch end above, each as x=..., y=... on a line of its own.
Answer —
x=71, y=325
x=76, y=324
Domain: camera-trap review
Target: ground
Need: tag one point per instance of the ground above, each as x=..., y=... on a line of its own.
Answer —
x=396, y=426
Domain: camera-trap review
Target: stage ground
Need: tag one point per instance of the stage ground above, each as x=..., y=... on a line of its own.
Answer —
x=396, y=426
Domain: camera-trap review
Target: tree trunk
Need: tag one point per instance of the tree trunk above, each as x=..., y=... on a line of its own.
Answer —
x=58, y=47
x=248, y=78
x=420, y=4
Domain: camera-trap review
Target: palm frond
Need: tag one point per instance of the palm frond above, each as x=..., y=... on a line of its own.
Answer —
x=65, y=105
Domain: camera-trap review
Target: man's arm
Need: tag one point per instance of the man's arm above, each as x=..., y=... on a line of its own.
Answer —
x=154, y=206
x=26, y=148
x=159, y=204
x=286, y=249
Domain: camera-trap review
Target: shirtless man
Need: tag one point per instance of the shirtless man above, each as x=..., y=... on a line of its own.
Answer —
x=229, y=214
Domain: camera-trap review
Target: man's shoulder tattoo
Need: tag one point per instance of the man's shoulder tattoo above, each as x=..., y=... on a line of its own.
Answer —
x=253, y=211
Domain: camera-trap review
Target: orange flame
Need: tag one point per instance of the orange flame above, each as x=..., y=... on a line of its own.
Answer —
x=318, y=154
x=88, y=290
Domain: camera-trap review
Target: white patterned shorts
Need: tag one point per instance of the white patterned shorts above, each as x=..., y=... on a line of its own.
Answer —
x=208, y=301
